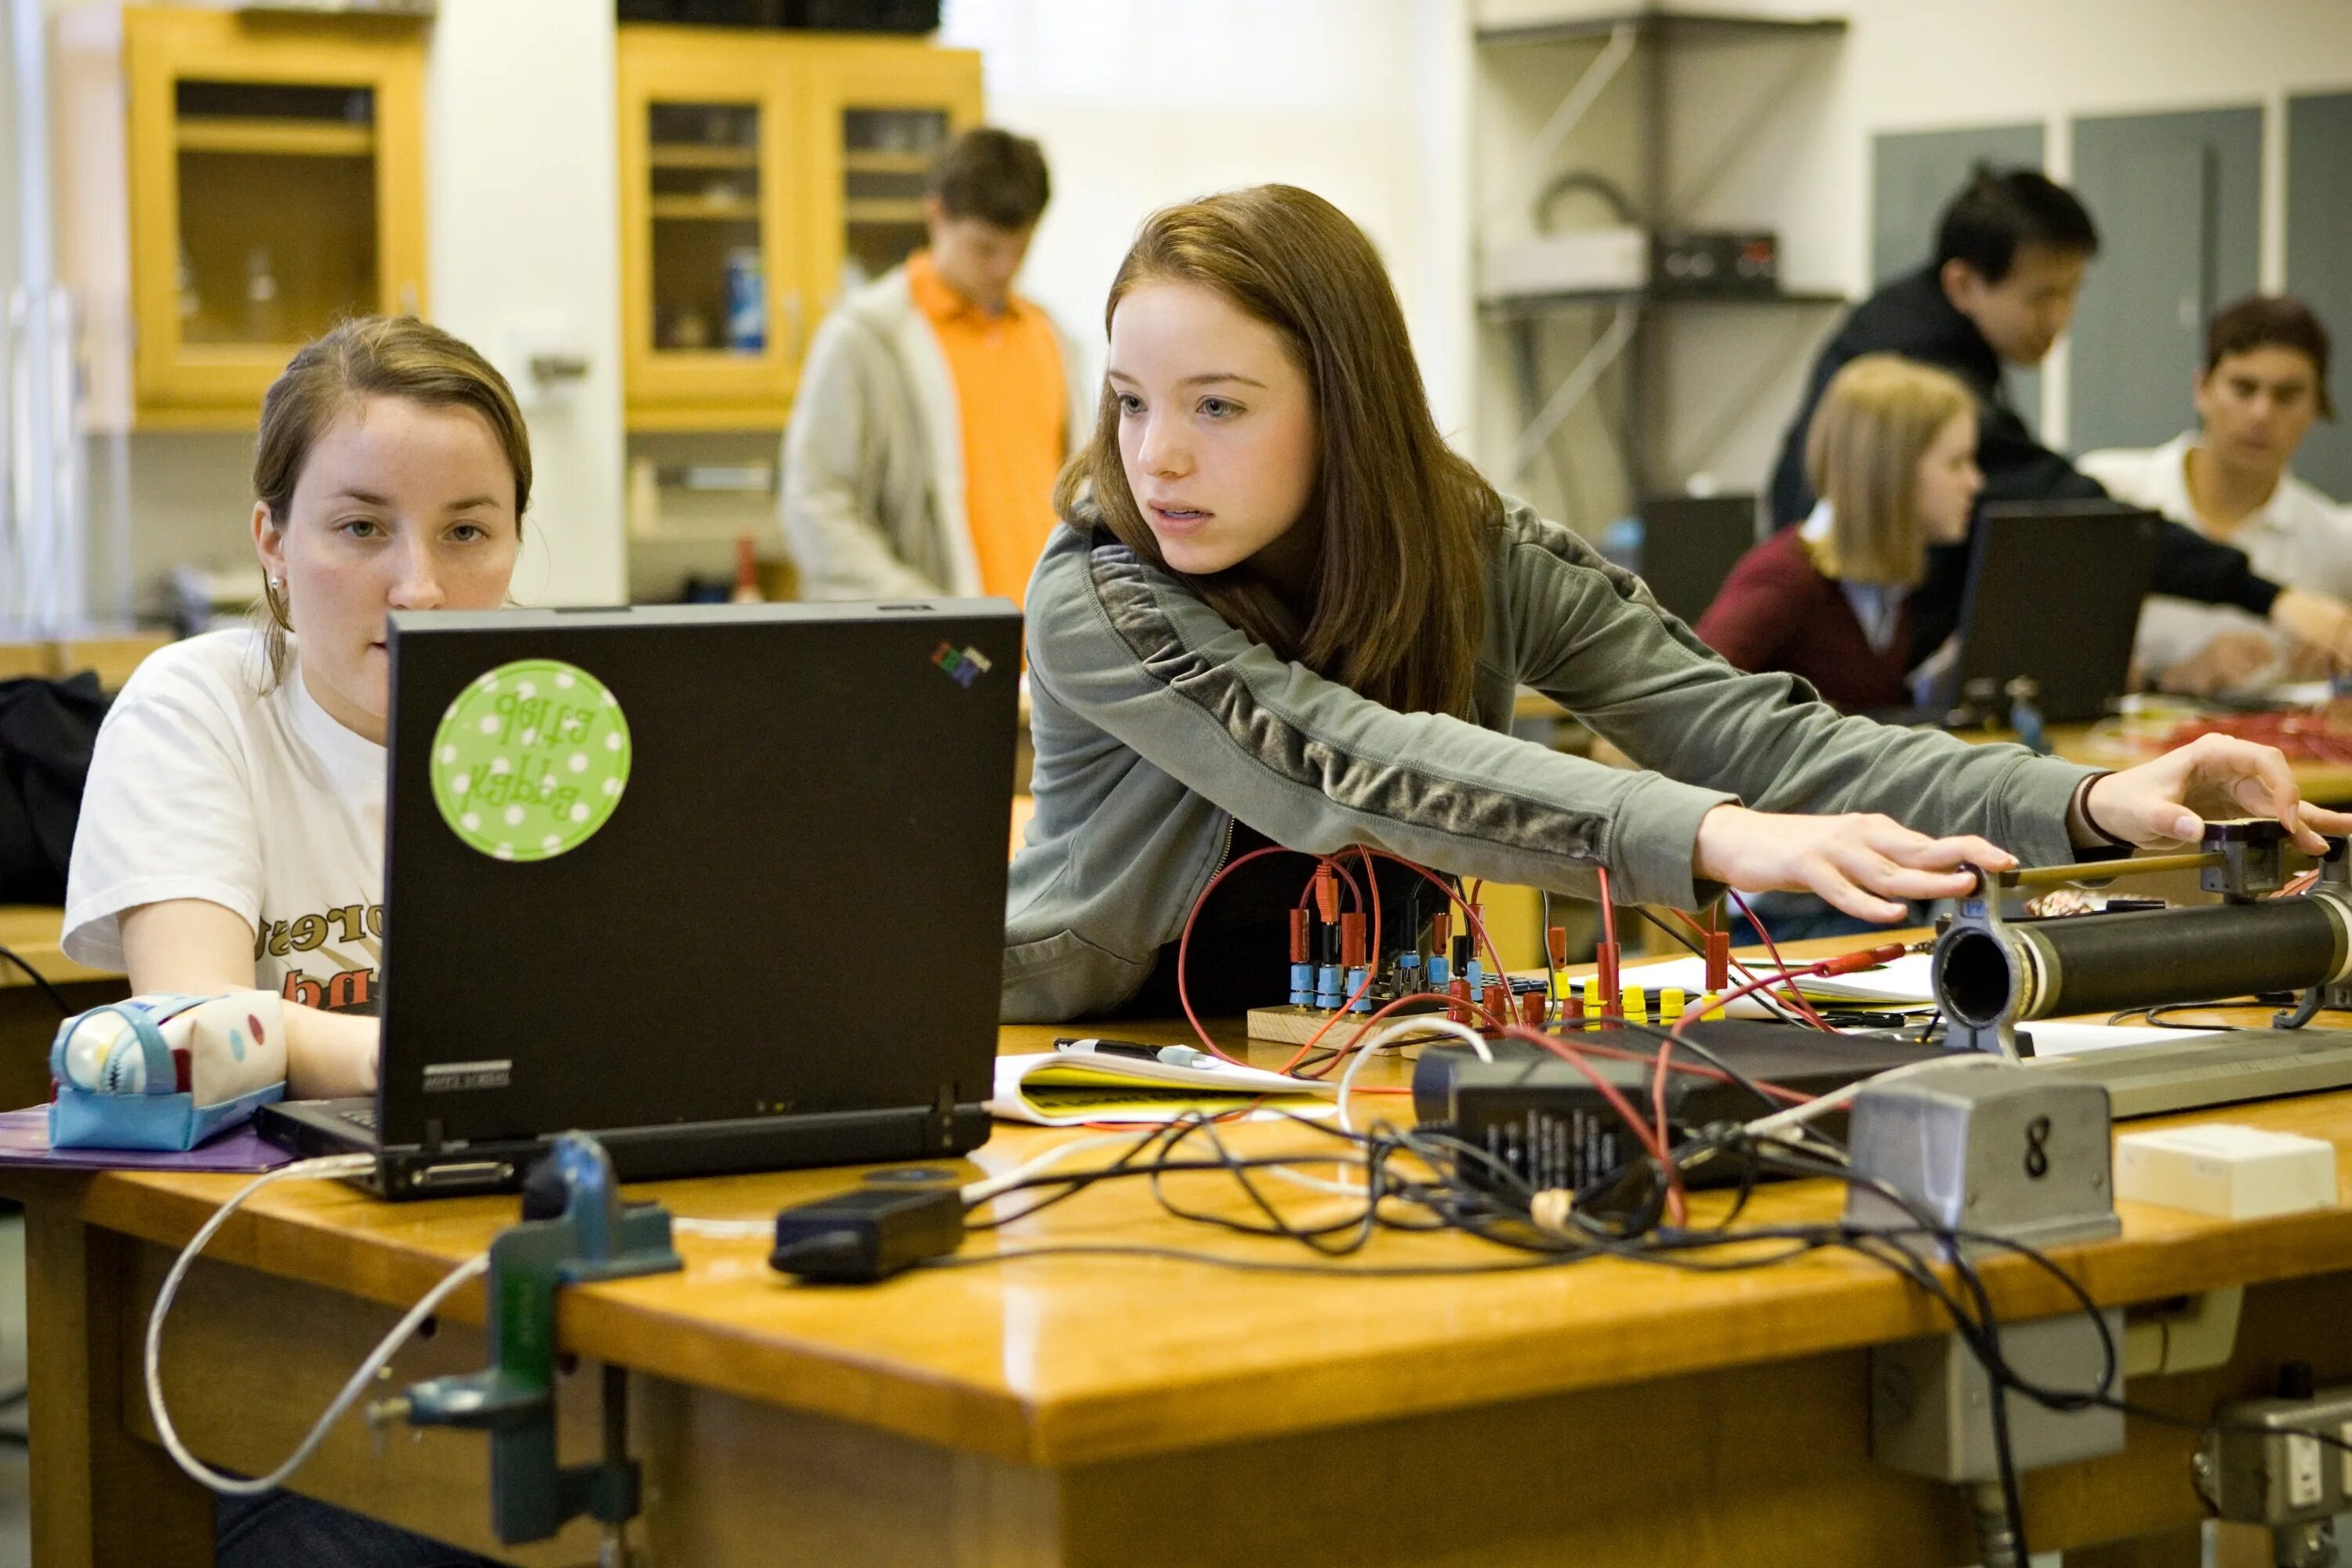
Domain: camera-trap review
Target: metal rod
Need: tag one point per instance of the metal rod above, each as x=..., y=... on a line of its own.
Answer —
x=2107, y=870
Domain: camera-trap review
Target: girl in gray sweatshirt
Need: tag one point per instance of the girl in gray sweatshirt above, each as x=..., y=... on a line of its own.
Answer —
x=1280, y=609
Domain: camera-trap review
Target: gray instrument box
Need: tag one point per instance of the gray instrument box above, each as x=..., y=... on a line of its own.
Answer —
x=1983, y=1144
x=1931, y=1403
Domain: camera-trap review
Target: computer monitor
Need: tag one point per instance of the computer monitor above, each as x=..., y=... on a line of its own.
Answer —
x=1689, y=545
x=2052, y=597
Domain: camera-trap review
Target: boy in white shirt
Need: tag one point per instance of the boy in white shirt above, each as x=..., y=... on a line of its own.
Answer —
x=2264, y=381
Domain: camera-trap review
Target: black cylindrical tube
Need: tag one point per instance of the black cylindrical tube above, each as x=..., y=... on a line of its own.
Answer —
x=2099, y=963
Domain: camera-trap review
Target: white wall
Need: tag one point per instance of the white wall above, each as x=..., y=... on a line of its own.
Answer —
x=522, y=218
x=1919, y=65
x=1139, y=103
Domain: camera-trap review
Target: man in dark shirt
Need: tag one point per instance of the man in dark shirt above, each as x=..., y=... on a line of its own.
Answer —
x=2010, y=253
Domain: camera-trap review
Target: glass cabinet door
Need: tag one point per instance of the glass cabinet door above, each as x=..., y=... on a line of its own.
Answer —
x=709, y=287
x=277, y=211
x=886, y=156
x=710, y=293
x=879, y=113
x=276, y=189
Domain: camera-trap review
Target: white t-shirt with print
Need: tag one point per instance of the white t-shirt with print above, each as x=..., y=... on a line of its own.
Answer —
x=205, y=786
x=2297, y=539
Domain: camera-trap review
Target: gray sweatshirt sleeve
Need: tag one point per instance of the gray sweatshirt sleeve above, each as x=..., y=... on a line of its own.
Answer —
x=828, y=496
x=1592, y=638
x=1315, y=766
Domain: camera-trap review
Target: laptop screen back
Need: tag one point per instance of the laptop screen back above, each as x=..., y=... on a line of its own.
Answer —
x=2053, y=594
x=796, y=905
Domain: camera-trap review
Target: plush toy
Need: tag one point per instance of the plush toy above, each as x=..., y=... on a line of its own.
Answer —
x=164, y=1071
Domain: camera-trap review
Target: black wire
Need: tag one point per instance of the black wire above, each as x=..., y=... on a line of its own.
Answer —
x=2155, y=1014
x=1762, y=998
x=1249, y=1265
x=57, y=998
x=1495, y=1208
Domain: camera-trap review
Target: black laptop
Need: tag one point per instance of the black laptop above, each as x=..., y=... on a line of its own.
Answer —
x=2052, y=600
x=724, y=884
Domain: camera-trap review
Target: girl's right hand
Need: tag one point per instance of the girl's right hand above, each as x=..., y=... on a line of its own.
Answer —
x=1859, y=862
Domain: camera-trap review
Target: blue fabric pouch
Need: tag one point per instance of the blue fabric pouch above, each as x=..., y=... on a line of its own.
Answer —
x=165, y=1072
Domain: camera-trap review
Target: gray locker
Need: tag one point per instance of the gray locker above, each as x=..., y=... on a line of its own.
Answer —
x=2177, y=199
x=2319, y=262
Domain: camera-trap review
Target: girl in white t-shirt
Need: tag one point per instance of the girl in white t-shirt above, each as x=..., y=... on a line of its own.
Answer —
x=232, y=832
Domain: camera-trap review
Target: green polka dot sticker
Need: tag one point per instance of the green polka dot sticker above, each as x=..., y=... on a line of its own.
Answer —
x=530, y=760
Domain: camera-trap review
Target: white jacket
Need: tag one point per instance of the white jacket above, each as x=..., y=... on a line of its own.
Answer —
x=873, y=491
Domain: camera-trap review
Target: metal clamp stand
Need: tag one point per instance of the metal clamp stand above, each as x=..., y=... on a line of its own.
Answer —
x=593, y=1236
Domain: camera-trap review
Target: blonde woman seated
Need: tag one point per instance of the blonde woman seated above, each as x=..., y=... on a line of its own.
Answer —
x=1892, y=454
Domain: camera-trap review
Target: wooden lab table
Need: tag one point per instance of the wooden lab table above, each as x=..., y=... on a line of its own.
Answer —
x=1108, y=1409
x=2322, y=784
x=28, y=1019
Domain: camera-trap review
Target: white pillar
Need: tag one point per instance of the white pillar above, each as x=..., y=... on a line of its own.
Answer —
x=523, y=199
x=44, y=583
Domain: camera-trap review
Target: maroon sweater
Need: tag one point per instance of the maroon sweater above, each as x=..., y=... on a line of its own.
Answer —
x=1775, y=611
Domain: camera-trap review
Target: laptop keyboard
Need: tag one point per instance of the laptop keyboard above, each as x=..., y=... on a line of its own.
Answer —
x=360, y=1116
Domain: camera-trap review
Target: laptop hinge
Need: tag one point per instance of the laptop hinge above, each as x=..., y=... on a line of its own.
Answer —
x=432, y=1136
x=944, y=1117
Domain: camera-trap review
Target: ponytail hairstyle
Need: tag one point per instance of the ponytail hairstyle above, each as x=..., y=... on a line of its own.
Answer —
x=371, y=356
x=1396, y=609
x=1876, y=420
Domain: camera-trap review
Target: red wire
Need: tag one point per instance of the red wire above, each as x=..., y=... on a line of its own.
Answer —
x=1381, y=1012
x=1607, y=910
x=1665, y=1059
x=1372, y=960
x=1803, y=1008
x=1572, y=1056
x=1796, y=995
x=1184, y=946
x=1470, y=918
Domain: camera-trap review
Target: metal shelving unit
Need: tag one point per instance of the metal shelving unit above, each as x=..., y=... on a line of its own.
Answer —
x=1634, y=43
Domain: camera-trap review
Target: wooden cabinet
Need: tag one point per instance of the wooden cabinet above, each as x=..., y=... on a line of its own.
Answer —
x=268, y=181
x=759, y=171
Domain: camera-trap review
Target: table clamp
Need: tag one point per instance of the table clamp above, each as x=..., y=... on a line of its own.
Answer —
x=574, y=1229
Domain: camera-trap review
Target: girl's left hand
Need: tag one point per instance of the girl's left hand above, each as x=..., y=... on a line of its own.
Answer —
x=2166, y=802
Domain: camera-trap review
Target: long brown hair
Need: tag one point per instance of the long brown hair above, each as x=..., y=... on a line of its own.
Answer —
x=1397, y=608
x=371, y=356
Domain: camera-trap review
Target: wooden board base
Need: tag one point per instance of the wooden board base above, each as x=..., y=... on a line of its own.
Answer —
x=1296, y=1026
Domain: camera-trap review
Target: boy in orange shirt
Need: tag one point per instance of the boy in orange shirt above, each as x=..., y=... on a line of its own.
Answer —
x=936, y=405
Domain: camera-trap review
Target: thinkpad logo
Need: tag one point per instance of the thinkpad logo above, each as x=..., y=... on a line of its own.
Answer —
x=966, y=665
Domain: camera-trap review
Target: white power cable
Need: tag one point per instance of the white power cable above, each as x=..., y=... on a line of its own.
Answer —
x=238, y=1486
x=725, y=1229
x=982, y=1191
x=1764, y=1126
x=1416, y=1024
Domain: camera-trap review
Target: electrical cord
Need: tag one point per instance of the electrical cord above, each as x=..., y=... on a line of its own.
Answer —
x=1398, y=1031
x=1764, y=998
x=238, y=1486
x=2155, y=1020
x=57, y=998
